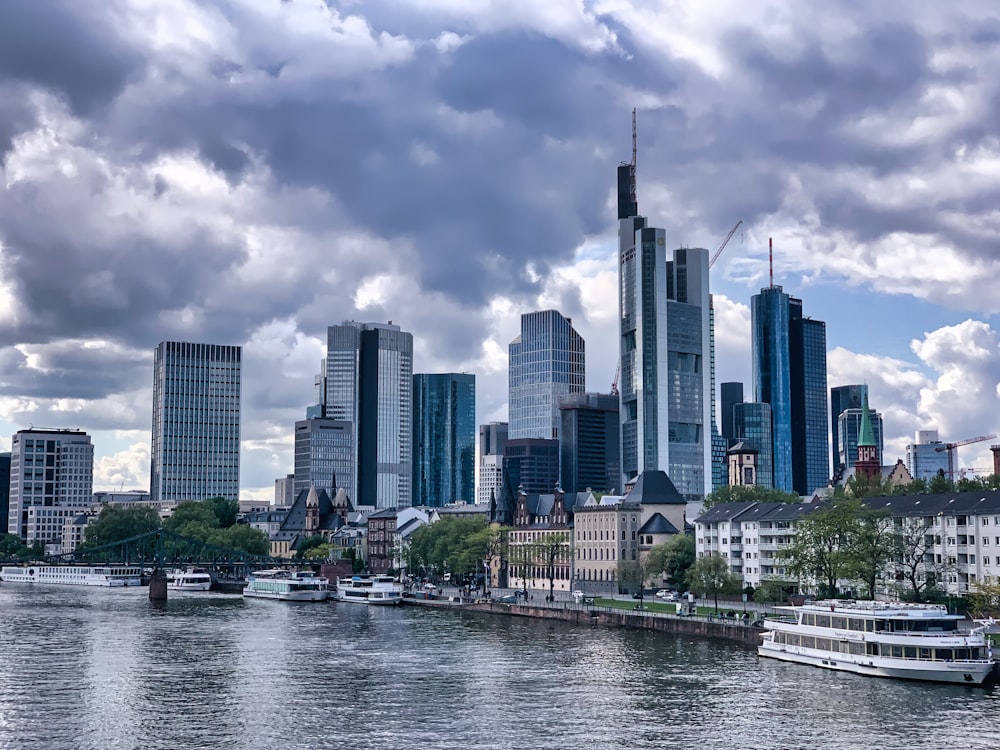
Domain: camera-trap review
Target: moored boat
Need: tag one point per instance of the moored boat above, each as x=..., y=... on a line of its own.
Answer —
x=373, y=589
x=880, y=639
x=191, y=579
x=286, y=585
x=73, y=575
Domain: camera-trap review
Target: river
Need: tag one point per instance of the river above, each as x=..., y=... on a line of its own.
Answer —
x=85, y=667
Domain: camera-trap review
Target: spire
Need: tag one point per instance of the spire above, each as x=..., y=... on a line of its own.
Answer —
x=866, y=435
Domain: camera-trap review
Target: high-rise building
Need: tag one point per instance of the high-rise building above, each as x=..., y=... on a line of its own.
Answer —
x=4, y=490
x=842, y=398
x=324, y=452
x=444, y=438
x=868, y=455
x=546, y=361
x=789, y=373
x=368, y=381
x=926, y=456
x=531, y=464
x=492, y=438
x=849, y=427
x=752, y=427
x=730, y=395
x=284, y=491
x=51, y=479
x=589, y=444
x=196, y=422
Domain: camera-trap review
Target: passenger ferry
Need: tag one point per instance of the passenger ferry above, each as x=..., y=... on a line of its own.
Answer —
x=192, y=579
x=881, y=639
x=369, y=590
x=74, y=575
x=286, y=585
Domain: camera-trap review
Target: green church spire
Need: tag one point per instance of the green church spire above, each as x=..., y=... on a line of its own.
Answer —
x=866, y=435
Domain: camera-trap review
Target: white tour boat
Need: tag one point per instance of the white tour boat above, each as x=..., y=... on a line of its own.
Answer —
x=286, y=585
x=369, y=590
x=881, y=639
x=75, y=575
x=192, y=579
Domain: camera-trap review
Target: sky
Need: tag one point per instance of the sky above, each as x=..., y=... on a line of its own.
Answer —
x=252, y=171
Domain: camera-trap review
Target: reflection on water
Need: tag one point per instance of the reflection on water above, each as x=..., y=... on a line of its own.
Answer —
x=94, y=668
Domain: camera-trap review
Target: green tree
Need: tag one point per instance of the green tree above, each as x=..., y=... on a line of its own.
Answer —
x=632, y=576
x=12, y=547
x=226, y=511
x=773, y=590
x=492, y=546
x=117, y=522
x=820, y=548
x=739, y=493
x=861, y=486
x=242, y=537
x=871, y=544
x=672, y=558
x=710, y=576
x=308, y=544
x=193, y=519
x=939, y=484
x=445, y=545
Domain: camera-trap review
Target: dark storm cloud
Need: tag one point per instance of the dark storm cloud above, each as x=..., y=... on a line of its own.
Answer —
x=69, y=369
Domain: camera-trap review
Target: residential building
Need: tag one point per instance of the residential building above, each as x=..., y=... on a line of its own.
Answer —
x=51, y=480
x=386, y=549
x=926, y=456
x=789, y=373
x=368, y=381
x=590, y=445
x=752, y=428
x=730, y=394
x=444, y=438
x=547, y=360
x=842, y=398
x=324, y=452
x=492, y=438
x=196, y=422
x=531, y=464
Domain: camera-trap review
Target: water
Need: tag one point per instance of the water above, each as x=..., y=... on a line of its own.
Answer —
x=94, y=668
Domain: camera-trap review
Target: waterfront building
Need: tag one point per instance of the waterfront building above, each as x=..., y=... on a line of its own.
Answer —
x=926, y=456
x=324, y=452
x=492, y=439
x=730, y=394
x=752, y=427
x=51, y=480
x=789, y=373
x=842, y=398
x=284, y=491
x=540, y=545
x=4, y=490
x=547, y=360
x=530, y=464
x=444, y=438
x=590, y=445
x=196, y=422
x=387, y=533
x=314, y=513
x=368, y=380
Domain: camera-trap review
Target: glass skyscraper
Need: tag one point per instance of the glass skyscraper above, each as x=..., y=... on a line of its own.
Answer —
x=848, y=426
x=844, y=397
x=589, y=444
x=196, y=422
x=369, y=382
x=752, y=425
x=546, y=361
x=789, y=373
x=444, y=438
x=324, y=451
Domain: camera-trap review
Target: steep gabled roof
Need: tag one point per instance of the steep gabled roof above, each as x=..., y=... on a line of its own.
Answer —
x=657, y=524
x=655, y=488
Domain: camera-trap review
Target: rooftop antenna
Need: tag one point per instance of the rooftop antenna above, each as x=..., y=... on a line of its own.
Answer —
x=770, y=258
x=631, y=185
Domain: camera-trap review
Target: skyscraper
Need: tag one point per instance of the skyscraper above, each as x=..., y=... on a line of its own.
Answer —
x=51, y=479
x=730, y=395
x=324, y=451
x=546, y=361
x=926, y=456
x=843, y=397
x=752, y=427
x=848, y=428
x=369, y=382
x=196, y=422
x=789, y=373
x=492, y=439
x=444, y=438
x=589, y=443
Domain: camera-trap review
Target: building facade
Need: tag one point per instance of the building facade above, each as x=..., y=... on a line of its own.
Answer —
x=547, y=360
x=531, y=465
x=51, y=480
x=926, y=456
x=730, y=394
x=589, y=443
x=444, y=438
x=492, y=439
x=196, y=422
x=368, y=381
x=842, y=398
x=284, y=491
x=849, y=427
x=324, y=449
x=752, y=427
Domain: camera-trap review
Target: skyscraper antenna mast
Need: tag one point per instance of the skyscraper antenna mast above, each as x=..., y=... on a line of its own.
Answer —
x=632, y=165
x=770, y=258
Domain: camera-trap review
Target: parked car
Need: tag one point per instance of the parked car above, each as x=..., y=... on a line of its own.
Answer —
x=667, y=595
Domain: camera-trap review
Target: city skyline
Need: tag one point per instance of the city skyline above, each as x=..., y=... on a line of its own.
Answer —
x=260, y=197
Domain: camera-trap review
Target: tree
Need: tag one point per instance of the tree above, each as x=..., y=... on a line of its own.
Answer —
x=820, y=550
x=870, y=545
x=117, y=522
x=250, y=540
x=193, y=519
x=492, y=544
x=710, y=576
x=308, y=544
x=672, y=558
x=739, y=493
x=985, y=600
x=445, y=545
x=915, y=564
x=226, y=511
x=632, y=576
x=551, y=550
x=773, y=590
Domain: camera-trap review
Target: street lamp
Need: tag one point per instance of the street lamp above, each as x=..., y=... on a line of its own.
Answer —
x=486, y=577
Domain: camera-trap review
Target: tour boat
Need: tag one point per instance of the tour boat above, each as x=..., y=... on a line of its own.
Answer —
x=369, y=590
x=76, y=575
x=192, y=579
x=286, y=585
x=880, y=639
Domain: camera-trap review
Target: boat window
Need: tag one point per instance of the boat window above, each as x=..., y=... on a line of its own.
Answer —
x=808, y=619
x=945, y=654
x=857, y=648
x=897, y=651
x=872, y=649
x=823, y=644
x=924, y=653
x=910, y=652
x=839, y=622
x=808, y=641
x=822, y=621
x=961, y=653
x=857, y=623
x=976, y=654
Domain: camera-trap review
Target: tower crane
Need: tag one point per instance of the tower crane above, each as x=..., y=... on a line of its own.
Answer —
x=950, y=447
x=722, y=246
x=614, y=383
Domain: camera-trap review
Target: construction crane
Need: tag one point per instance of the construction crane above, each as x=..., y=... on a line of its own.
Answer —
x=950, y=447
x=721, y=247
x=614, y=383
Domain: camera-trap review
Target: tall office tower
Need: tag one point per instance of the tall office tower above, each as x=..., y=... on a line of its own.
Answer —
x=923, y=458
x=848, y=429
x=531, y=463
x=4, y=490
x=444, y=438
x=843, y=397
x=546, y=361
x=284, y=491
x=51, y=479
x=590, y=445
x=730, y=395
x=196, y=422
x=789, y=373
x=368, y=381
x=324, y=452
x=492, y=438
x=752, y=426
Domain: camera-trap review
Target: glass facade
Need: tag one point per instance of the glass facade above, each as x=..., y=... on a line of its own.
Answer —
x=531, y=463
x=848, y=426
x=590, y=445
x=546, y=361
x=810, y=424
x=772, y=383
x=196, y=422
x=444, y=438
x=752, y=424
x=730, y=395
x=324, y=450
x=843, y=397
